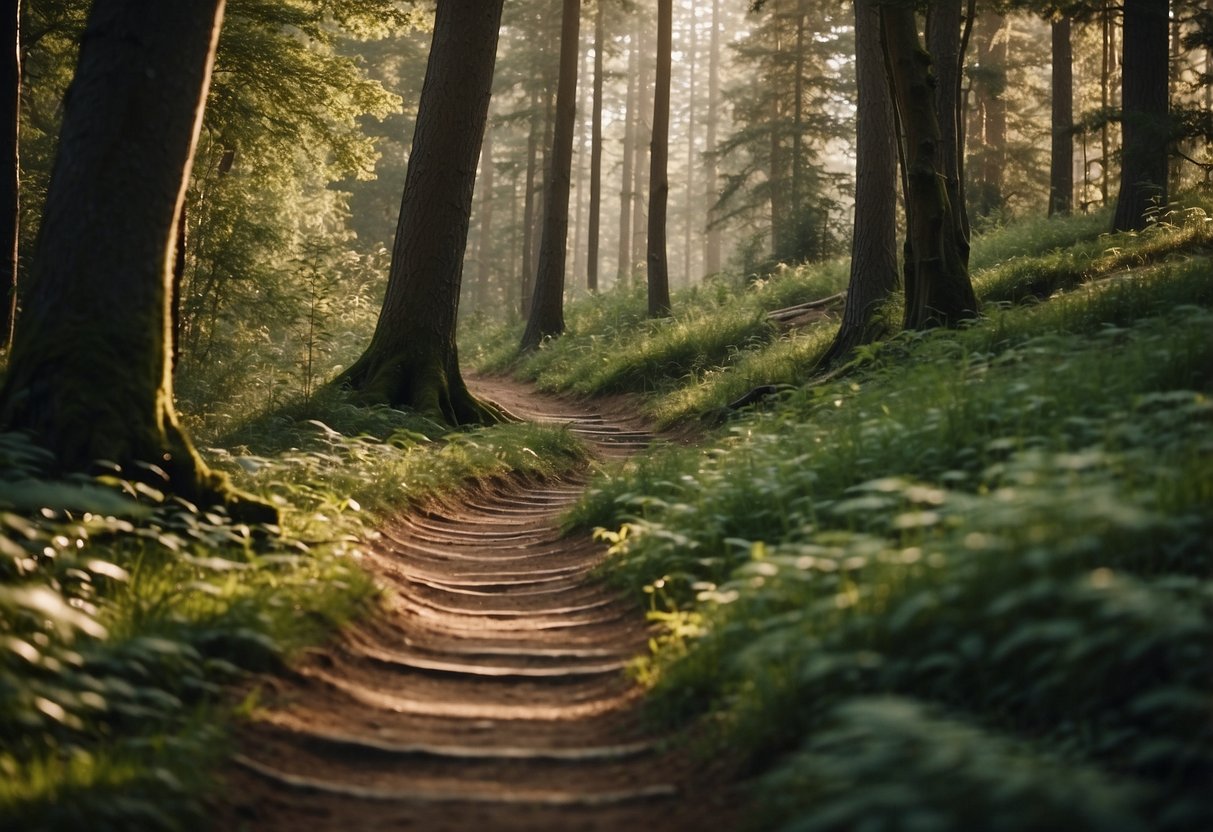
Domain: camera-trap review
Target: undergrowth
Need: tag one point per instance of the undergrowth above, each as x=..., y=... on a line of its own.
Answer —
x=125, y=613
x=719, y=344
x=964, y=586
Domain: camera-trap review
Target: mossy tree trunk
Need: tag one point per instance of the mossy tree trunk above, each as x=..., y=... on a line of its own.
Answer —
x=1145, y=127
x=547, y=304
x=874, y=241
x=412, y=360
x=938, y=289
x=90, y=375
x=659, y=183
x=946, y=22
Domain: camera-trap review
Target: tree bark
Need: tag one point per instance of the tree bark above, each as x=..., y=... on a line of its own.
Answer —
x=547, y=306
x=10, y=190
x=797, y=128
x=937, y=285
x=526, y=289
x=595, y=221
x=484, y=248
x=874, y=241
x=90, y=373
x=1144, y=123
x=659, y=184
x=1061, y=172
x=944, y=43
x=1105, y=98
x=639, y=246
x=711, y=256
x=579, y=180
x=412, y=360
x=623, y=269
x=989, y=121
x=689, y=184
x=775, y=172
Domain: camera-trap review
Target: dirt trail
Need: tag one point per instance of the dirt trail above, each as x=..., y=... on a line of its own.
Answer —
x=490, y=695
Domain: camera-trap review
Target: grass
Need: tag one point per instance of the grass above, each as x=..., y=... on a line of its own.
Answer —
x=964, y=586
x=967, y=585
x=611, y=347
x=124, y=614
x=719, y=344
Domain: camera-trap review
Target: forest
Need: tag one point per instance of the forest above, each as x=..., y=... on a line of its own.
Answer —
x=782, y=415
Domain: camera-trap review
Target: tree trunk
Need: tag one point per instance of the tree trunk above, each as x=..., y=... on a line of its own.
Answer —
x=944, y=44
x=937, y=285
x=659, y=184
x=1105, y=99
x=509, y=302
x=412, y=360
x=175, y=287
x=10, y=105
x=1061, y=172
x=775, y=172
x=692, y=50
x=639, y=246
x=1144, y=123
x=591, y=270
x=988, y=87
x=528, y=209
x=623, y=270
x=874, y=242
x=579, y=181
x=547, y=307
x=90, y=373
x=484, y=248
x=711, y=256
x=797, y=127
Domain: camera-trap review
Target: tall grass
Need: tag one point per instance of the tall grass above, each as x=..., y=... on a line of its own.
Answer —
x=719, y=344
x=966, y=585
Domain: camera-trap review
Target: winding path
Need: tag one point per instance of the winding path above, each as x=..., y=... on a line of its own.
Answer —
x=490, y=694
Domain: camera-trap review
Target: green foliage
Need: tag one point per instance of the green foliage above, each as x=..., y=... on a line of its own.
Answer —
x=965, y=585
x=611, y=346
x=266, y=227
x=718, y=346
x=123, y=613
x=1180, y=230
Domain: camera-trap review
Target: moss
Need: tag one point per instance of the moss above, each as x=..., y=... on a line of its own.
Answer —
x=418, y=381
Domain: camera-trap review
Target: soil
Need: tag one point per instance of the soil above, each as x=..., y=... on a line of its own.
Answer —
x=490, y=692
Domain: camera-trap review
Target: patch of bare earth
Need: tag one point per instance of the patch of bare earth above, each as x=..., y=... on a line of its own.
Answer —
x=490, y=693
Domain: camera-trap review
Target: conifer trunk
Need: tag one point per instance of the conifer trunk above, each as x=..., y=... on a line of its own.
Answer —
x=1061, y=171
x=693, y=49
x=412, y=360
x=711, y=256
x=623, y=269
x=947, y=59
x=1144, y=124
x=874, y=241
x=90, y=375
x=937, y=285
x=10, y=105
x=525, y=287
x=595, y=220
x=547, y=306
x=659, y=184
x=485, y=250
x=641, y=141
